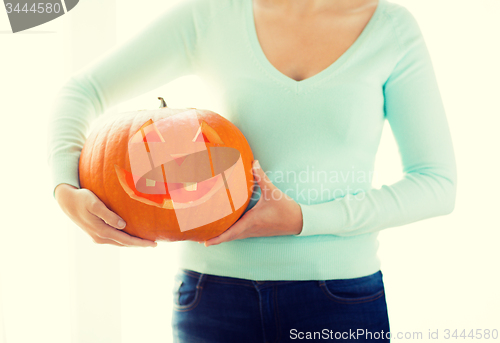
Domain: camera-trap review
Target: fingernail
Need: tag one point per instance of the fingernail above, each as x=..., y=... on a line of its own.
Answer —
x=256, y=164
x=121, y=223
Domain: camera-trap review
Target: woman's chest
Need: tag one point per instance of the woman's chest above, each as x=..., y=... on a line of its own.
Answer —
x=301, y=48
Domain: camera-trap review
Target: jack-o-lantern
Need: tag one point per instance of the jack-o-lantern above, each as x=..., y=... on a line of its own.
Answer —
x=171, y=174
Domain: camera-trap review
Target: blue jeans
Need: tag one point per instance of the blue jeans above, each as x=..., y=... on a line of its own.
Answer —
x=216, y=309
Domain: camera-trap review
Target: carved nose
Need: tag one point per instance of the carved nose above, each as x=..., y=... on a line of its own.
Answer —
x=179, y=158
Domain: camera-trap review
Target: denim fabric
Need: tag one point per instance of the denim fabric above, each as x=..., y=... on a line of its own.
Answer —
x=216, y=309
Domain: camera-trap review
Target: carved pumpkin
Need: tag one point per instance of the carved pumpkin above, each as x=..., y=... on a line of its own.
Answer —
x=171, y=174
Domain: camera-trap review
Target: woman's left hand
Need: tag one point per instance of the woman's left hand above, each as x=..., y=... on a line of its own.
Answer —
x=275, y=214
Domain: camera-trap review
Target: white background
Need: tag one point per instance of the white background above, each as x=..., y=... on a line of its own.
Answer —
x=441, y=273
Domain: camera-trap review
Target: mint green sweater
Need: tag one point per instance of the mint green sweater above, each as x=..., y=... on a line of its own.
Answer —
x=316, y=138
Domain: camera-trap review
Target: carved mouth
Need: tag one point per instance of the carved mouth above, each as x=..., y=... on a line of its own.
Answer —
x=182, y=193
x=152, y=189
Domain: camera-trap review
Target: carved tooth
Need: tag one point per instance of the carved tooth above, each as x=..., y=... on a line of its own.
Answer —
x=167, y=203
x=190, y=186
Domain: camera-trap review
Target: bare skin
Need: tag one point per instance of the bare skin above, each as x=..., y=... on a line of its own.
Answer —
x=300, y=38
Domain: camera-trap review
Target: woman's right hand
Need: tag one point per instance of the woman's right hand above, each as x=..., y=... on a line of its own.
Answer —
x=87, y=211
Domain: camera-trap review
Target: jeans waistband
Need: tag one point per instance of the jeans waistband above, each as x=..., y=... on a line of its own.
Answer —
x=264, y=283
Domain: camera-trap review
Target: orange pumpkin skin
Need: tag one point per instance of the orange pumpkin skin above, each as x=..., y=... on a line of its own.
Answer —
x=106, y=148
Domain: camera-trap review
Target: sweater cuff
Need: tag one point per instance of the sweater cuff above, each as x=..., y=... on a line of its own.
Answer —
x=323, y=219
x=64, y=170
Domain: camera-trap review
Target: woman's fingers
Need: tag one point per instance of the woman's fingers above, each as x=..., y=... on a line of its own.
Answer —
x=100, y=210
x=104, y=231
x=88, y=212
x=99, y=240
x=125, y=239
x=106, y=223
x=235, y=231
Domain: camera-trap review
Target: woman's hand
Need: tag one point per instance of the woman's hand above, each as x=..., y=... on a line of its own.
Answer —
x=87, y=211
x=275, y=214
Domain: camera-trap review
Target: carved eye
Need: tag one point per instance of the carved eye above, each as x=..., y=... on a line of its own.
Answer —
x=207, y=134
x=147, y=133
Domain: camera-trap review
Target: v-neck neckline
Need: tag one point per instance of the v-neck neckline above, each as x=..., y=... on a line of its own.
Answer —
x=302, y=84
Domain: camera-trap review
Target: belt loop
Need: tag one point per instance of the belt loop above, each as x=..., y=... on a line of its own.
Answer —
x=201, y=281
x=321, y=283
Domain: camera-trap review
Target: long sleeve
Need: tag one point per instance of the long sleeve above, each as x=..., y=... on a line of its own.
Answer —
x=162, y=52
x=415, y=112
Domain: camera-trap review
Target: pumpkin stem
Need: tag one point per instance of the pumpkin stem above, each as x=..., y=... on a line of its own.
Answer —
x=163, y=103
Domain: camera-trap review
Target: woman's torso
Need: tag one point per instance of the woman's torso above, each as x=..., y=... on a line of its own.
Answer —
x=315, y=138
